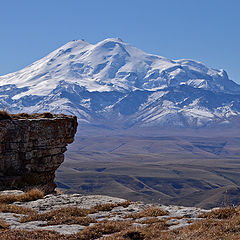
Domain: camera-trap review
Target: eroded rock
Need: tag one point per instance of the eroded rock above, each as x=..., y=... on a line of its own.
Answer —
x=32, y=149
x=175, y=215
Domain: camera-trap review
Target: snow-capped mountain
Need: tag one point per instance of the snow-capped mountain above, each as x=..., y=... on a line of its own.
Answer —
x=114, y=82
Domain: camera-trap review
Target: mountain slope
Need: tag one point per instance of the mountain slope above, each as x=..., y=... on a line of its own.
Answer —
x=114, y=80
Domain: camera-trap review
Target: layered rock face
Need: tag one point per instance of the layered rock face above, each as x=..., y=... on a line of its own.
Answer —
x=32, y=149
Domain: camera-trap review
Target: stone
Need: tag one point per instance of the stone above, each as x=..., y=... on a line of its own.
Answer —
x=11, y=192
x=65, y=229
x=175, y=218
x=52, y=201
x=32, y=149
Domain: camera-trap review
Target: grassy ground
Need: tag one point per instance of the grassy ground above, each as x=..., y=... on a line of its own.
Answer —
x=217, y=224
x=190, y=171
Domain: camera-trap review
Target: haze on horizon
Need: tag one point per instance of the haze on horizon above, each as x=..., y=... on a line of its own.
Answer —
x=207, y=31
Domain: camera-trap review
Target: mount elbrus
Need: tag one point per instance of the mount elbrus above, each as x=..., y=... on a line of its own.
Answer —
x=113, y=81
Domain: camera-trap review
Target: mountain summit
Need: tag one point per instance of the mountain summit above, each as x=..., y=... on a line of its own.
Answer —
x=114, y=80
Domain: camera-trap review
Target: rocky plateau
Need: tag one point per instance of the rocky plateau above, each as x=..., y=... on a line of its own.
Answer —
x=175, y=216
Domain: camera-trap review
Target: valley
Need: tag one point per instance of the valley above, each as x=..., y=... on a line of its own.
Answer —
x=155, y=166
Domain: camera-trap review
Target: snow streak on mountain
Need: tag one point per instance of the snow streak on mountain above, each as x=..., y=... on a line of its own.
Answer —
x=115, y=83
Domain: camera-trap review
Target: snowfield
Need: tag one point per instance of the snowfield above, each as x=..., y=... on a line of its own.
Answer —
x=114, y=80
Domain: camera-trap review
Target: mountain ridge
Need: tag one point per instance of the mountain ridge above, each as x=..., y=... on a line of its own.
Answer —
x=114, y=80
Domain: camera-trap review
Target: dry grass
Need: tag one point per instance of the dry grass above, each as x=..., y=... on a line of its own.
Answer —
x=68, y=215
x=211, y=229
x=31, y=195
x=71, y=215
x=218, y=224
x=223, y=223
x=228, y=229
x=32, y=235
x=110, y=206
x=57, y=191
x=102, y=228
x=6, y=208
x=3, y=225
x=133, y=235
x=149, y=212
x=32, y=116
x=89, y=233
x=225, y=227
x=152, y=231
x=124, y=204
x=4, y=115
x=221, y=213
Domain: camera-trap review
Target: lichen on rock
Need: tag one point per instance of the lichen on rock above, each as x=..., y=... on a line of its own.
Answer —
x=31, y=150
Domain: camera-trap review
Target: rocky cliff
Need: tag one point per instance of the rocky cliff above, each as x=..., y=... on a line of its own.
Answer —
x=32, y=149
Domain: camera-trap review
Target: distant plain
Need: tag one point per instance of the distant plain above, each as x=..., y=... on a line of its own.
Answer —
x=187, y=167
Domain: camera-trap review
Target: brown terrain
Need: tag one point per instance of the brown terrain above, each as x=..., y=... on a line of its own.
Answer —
x=30, y=215
x=186, y=167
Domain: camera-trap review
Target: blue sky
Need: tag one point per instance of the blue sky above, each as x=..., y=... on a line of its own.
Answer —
x=204, y=30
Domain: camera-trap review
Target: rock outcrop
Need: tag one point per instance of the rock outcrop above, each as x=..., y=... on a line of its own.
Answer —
x=110, y=209
x=32, y=149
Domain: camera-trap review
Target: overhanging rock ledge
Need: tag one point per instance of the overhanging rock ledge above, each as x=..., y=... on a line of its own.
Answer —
x=32, y=149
